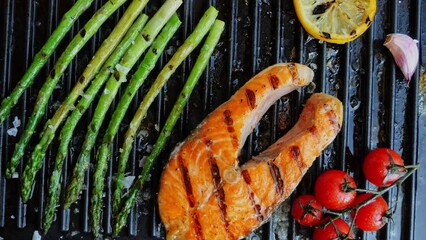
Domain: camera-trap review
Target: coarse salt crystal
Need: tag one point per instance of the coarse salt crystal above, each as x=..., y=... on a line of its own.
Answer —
x=12, y=132
x=16, y=122
x=122, y=68
x=36, y=235
x=128, y=181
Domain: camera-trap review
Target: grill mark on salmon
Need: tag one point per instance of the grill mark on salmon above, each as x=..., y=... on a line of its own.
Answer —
x=230, y=127
x=218, y=190
x=314, y=131
x=293, y=72
x=234, y=141
x=295, y=153
x=229, y=121
x=197, y=226
x=276, y=175
x=333, y=120
x=246, y=176
x=251, y=99
x=208, y=142
x=186, y=182
x=332, y=117
x=275, y=82
x=190, y=195
x=256, y=207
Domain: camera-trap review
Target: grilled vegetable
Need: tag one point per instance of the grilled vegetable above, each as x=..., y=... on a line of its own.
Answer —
x=138, y=78
x=46, y=90
x=335, y=189
x=372, y=216
x=93, y=68
x=55, y=186
x=383, y=166
x=147, y=35
x=197, y=70
x=335, y=21
x=41, y=57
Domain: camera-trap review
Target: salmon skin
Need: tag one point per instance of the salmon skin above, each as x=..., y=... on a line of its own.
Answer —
x=205, y=194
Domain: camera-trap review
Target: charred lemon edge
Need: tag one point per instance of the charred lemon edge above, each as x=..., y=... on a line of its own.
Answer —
x=334, y=38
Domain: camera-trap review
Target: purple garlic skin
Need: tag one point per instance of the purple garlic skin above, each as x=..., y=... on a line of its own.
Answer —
x=405, y=52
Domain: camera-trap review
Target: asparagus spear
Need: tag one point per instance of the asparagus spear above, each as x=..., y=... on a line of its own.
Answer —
x=55, y=74
x=195, y=74
x=138, y=78
x=35, y=162
x=148, y=34
x=55, y=186
x=41, y=57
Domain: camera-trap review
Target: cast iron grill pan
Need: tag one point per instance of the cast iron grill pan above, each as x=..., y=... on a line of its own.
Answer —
x=380, y=109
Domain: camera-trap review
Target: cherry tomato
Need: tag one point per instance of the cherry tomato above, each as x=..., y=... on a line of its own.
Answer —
x=338, y=228
x=306, y=210
x=377, y=167
x=371, y=216
x=333, y=189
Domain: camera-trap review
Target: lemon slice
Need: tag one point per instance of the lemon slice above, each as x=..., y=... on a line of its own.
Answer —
x=335, y=21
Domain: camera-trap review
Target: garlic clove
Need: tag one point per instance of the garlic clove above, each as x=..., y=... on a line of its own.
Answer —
x=405, y=52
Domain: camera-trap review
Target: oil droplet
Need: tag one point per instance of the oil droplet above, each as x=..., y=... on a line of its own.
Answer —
x=311, y=87
x=355, y=81
x=355, y=65
x=337, y=86
x=354, y=102
x=255, y=237
x=267, y=2
x=247, y=22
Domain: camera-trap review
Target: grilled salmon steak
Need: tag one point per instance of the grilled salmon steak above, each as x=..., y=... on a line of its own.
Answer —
x=205, y=194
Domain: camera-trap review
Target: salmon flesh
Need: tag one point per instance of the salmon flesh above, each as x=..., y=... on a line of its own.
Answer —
x=205, y=193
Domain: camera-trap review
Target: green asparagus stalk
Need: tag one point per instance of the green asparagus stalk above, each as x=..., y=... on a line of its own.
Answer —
x=35, y=162
x=195, y=74
x=41, y=57
x=148, y=34
x=55, y=186
x=138, y=78
x=55, y=74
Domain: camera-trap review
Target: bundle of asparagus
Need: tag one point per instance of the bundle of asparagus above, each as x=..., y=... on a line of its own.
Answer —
x=200, y=64
x=42, y=56
x=109, y=66
x=54, y=186
x=46, y=90
x=95, y=64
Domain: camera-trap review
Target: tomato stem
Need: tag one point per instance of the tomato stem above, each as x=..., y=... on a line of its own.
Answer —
x=366, y=191
x=393, y=169
x=352, y=224
x=411, y=166
x=333, y=213
x=396, y=201
x=346, y=186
